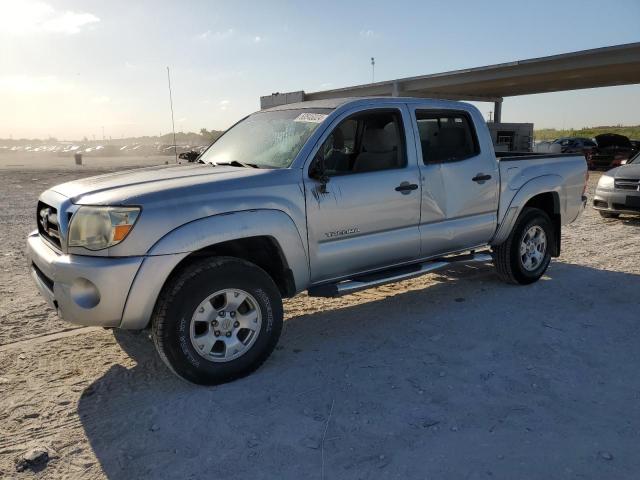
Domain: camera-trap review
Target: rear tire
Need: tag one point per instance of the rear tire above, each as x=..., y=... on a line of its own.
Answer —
x=198, y=324
x=609, y=214
x=525, y=255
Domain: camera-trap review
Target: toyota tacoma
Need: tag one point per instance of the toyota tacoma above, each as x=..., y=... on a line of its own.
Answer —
x=329, y=196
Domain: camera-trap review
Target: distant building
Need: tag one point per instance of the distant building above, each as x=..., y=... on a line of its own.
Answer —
x=511, y=137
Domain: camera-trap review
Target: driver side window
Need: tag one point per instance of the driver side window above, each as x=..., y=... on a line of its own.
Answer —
x=366, y=142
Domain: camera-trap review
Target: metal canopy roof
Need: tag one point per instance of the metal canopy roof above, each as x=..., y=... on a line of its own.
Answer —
x=600, y=67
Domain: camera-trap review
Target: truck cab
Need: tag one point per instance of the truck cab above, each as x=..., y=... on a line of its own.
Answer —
x=385, y=198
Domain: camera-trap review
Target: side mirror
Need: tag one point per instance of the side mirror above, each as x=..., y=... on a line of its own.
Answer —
x=318, y=172
x=189, y=156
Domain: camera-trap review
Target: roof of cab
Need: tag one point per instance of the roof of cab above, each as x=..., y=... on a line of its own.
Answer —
x=338, y=102
x=329, y=103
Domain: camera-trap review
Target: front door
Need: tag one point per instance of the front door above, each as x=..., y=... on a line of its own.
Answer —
x=367, y=215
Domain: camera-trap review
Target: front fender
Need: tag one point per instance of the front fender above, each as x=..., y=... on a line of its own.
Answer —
x=535, y=186
x=170, y=250
x=220, y=228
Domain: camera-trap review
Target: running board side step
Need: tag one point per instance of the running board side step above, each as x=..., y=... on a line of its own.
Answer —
x=392, y=275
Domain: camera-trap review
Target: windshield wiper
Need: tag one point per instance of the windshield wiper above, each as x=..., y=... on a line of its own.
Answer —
x=235, y=163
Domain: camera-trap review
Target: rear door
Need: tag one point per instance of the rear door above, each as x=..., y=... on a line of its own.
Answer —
x=460, y=182
x=367, y=215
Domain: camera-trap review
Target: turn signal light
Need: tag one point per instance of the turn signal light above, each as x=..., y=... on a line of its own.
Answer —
x=120, y=232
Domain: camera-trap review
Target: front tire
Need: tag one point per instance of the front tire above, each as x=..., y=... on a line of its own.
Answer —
x=217, y=320
x=525, y=255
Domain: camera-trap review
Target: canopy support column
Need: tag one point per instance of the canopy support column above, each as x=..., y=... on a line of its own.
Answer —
x=497, y=112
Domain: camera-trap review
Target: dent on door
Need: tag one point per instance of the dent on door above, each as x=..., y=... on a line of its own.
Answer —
x=459, y=200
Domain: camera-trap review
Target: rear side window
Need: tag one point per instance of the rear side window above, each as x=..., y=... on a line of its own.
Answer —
x=446, y=137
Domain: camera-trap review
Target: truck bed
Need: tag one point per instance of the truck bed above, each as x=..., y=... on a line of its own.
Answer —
x=564, y=172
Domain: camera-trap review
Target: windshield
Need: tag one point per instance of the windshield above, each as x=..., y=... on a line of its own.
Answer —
x=266, y=139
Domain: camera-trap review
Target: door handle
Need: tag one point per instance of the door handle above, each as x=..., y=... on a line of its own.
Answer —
x=481, y=178
x=406, y=187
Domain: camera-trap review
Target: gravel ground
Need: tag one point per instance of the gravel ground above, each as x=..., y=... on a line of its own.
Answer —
x=451, y=375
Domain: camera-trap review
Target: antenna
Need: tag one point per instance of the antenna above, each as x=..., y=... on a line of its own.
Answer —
x=173, y=125
x=373, y=70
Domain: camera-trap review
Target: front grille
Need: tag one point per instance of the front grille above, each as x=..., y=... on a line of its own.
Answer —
x=48, y=225
x=622, y=206
x=627, y=184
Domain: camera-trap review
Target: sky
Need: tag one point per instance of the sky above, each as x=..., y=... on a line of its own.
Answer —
x=69, y=68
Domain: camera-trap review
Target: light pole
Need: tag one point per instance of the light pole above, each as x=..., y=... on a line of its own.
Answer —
x=373, y=70
x=173, y=125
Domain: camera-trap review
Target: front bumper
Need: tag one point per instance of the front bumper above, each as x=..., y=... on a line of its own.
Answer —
x=616, y=201
x=83, y=290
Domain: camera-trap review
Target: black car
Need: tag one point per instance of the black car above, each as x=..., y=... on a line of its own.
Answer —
x=613, y=150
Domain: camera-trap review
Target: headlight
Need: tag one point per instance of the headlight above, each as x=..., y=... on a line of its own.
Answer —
x=605, y=182
x=96, y=228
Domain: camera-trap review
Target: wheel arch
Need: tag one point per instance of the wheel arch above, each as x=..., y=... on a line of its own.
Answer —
x=263, y=251
x=267, y=238
x=545, y=193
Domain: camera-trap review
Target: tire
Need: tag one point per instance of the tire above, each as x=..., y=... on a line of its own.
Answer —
x=177, y=328
x=509, y=262
x=609, y=214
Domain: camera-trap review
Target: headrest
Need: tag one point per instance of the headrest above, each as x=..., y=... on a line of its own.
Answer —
x=379, y=140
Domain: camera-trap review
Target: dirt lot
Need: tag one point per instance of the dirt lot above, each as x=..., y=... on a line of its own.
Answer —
x=449, y=376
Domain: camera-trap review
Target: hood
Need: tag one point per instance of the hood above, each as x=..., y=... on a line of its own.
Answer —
x=608, y=140
x=130, y=184
x=626, y=171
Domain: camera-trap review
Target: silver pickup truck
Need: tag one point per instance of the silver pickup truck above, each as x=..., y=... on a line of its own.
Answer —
x=329, y=197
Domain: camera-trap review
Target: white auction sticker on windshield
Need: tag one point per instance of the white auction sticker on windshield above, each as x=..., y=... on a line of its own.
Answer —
x=310, y=117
